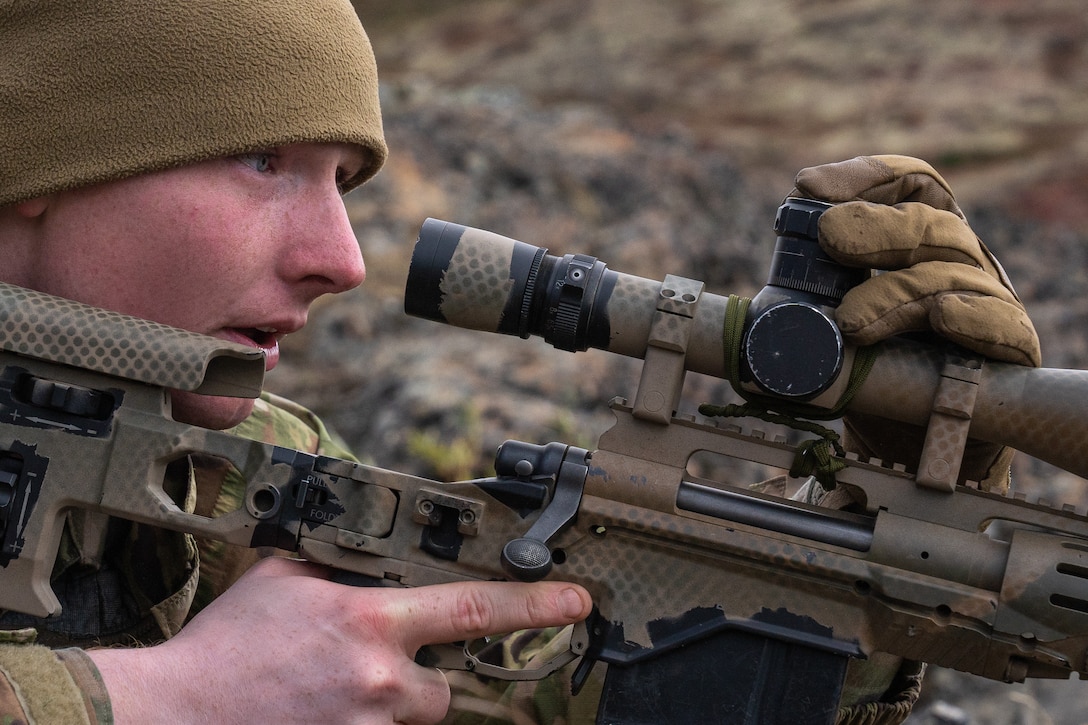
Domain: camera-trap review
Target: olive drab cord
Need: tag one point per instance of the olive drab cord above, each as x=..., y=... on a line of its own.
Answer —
x=814, y=456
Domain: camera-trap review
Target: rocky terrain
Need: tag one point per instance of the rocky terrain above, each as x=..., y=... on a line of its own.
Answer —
x=660, y=137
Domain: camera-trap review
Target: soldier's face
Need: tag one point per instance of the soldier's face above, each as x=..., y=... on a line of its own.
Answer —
x=237, y=248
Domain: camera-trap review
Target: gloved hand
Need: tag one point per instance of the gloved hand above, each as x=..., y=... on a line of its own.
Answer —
x=896, y=213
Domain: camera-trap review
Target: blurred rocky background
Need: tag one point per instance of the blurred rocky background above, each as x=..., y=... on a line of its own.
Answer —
x=660, y=137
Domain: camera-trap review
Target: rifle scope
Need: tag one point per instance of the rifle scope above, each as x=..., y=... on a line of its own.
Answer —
x=480, y=280
x=475, y=279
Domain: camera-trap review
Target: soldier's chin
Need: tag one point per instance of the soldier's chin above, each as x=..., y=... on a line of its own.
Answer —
x=209, y=411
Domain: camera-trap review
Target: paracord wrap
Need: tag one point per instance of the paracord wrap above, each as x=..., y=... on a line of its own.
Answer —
x=813, y=456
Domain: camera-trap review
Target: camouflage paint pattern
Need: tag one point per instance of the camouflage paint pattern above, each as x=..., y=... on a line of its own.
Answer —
x=52, y=328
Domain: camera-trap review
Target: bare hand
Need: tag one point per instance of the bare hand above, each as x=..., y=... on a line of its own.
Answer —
x=284, y=644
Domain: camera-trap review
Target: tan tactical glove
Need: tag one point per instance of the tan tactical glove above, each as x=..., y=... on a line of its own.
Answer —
x=896, y=213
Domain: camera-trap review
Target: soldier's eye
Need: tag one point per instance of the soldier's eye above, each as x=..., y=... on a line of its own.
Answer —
x=258, y=162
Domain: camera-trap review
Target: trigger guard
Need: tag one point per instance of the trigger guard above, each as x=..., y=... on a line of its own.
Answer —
x=459, y=656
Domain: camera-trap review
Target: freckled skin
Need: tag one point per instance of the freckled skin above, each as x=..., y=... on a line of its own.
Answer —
x=223, y=247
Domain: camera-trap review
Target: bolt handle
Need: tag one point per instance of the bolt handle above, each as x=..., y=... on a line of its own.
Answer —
x=527, y=560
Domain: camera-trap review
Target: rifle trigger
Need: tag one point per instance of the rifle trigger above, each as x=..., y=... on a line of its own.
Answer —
x=464, y=656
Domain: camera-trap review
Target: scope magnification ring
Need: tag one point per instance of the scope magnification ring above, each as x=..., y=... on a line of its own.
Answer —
x=529, y=293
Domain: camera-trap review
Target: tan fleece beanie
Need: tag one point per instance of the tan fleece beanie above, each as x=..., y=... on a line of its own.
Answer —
x=95, y=91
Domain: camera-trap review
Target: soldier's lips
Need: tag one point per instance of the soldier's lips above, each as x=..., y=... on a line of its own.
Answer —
x=267, y=341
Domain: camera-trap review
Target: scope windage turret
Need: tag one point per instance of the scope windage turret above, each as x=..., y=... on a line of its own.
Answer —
x=795, y=310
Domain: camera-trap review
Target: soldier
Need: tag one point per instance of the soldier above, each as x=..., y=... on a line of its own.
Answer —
x=185, y=162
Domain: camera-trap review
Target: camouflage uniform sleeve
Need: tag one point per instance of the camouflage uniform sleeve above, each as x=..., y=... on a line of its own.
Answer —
x=41, y=685
x=286, y=423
